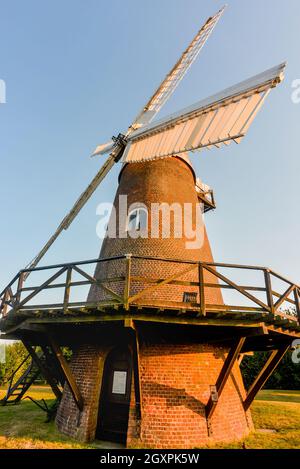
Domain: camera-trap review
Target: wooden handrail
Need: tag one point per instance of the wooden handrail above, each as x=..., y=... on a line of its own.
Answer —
x=11, y=295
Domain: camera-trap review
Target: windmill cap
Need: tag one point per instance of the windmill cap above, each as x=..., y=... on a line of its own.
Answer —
x=183, y=156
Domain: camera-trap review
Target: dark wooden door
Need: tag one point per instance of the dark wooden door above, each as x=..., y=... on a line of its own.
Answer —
x=115, y=396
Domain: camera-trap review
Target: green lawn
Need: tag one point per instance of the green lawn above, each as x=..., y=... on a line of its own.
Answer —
x=276, y=416
x=24, y=426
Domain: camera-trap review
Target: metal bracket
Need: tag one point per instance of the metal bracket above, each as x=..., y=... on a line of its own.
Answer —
x=120, y=144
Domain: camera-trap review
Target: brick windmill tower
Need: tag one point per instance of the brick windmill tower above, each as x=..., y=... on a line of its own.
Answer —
x=156, y=350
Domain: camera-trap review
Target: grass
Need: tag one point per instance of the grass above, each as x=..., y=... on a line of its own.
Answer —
x=24, y=426
x=276, y=416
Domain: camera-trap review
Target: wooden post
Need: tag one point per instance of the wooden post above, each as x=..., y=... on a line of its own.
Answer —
x=67, y=372
x=297, y=302
x=269, y=290
x=127, y=281
x=136, y=373
x=201, y=289
x=4, y=305
x=67, y=288
x=19, y=289
x=224, y=374
x=136, y=366
x=272, y=362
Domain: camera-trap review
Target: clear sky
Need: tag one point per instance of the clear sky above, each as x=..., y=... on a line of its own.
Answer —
x=78, y=72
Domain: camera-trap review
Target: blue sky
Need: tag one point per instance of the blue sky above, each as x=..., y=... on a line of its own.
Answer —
x=78, y=72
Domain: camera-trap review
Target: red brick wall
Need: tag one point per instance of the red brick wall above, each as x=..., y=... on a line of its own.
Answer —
x=175, y=382
x=87, y=367
x=175, y=388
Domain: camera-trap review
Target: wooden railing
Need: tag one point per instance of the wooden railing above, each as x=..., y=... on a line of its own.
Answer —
x=18, y=295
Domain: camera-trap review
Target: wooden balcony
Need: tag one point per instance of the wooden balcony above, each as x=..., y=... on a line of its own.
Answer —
x=262, y=300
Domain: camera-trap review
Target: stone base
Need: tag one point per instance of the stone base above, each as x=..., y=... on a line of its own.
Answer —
x=175, y=385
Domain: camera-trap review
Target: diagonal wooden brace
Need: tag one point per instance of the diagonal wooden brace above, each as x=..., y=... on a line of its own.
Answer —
x=136, y=367
x=270, y=365
x=224, y=374
x=66, y=372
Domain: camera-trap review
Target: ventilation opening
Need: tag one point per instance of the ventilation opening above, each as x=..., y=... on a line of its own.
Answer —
x=190, y=297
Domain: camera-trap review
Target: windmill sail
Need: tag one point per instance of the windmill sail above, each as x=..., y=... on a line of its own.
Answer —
x=167, y=87
x=215, y=121
x=171, y=81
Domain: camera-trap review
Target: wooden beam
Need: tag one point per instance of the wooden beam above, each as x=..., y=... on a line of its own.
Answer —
x=201, y=290
x=270, y=365
x=137, y=373
x=237, y=287
x=41, y=287
x=67, y=288
x=94, y=281
x=297, y=302
x=137, y=381
x=218, y=322
x=162, y=282
x=130, y=324
x=75, y=284
x=19, y=288
x=43, y=368
x=4, y=304
x=66, y=371
x=289, y=331
x=284, y=297
x=224, y=374
x=192, y=284
x=269, y=290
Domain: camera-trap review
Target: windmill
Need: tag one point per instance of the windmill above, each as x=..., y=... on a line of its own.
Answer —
x=156, y=350
x=213, y=122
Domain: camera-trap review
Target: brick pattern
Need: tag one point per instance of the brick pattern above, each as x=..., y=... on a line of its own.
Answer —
x=87, y=367
x=169, y=180
x=175, y=384
x=175, y=379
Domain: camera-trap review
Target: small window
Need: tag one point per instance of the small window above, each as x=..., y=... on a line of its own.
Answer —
x=137, y=220
x=190, y=297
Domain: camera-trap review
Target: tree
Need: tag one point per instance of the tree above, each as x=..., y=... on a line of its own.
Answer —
x=286, y=375
x=14, y=355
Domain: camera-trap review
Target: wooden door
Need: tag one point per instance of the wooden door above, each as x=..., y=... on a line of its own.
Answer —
x=115, y=396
